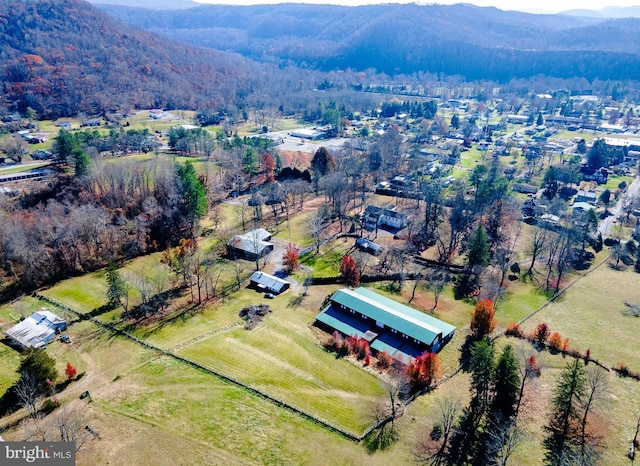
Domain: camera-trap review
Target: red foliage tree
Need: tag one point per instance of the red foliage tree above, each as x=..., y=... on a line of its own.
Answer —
x=541, y=334
x=291, y=257
x=483, y=320
x=70, y=371
x=423, y=370
x=533, y=367
x=349, y=272
x=268, y=166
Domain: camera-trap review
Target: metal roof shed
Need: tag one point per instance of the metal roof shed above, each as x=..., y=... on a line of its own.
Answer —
x=265, y=282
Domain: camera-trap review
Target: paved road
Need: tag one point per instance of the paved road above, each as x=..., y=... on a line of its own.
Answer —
x=607, y=224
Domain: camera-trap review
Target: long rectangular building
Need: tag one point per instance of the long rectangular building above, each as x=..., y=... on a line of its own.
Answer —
x=37, y=330
x=389, y=326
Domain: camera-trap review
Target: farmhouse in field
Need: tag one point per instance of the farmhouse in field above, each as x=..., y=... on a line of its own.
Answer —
x=387, y=325
x=252, y=245
x=384, y=217
x=268, y=283
x=37, y=330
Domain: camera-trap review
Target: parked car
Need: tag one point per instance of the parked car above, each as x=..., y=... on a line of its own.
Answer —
x=269, y=295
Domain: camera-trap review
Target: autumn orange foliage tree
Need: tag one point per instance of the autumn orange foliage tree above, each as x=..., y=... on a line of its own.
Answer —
x=268, y=166
x=555, y=341
x=291, y=258
x=424, y=370
x=483, y=320
x=349, y=272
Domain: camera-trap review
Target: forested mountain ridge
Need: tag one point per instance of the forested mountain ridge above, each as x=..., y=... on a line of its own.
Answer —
x=479, y=43
x=60, y=57
x=152, y=5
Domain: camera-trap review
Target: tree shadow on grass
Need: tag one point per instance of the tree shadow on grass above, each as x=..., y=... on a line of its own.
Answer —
x=380, y=439
x=465, y=352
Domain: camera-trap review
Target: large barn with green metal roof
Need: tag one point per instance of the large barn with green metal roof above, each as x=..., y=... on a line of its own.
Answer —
x=387, y=325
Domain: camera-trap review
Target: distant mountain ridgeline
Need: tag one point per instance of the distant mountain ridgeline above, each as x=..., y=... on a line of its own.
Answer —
x=478, y=43
x=64, y=56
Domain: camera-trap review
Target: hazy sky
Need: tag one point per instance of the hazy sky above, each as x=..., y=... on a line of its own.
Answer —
x=523, y=5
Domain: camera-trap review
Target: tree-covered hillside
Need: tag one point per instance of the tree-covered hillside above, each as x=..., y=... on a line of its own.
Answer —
x=60, y=57
x=478, y=43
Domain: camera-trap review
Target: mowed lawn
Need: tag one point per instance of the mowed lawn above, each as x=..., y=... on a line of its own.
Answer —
x=84, y=294
x=282, y=357
x=152, y=409
x=590, y=314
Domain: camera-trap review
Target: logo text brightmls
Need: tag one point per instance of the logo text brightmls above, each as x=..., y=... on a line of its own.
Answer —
x=37, y=453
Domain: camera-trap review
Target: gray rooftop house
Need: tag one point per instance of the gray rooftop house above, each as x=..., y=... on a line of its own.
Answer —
x=251, y=245
x=37, y=330
x=268, y=283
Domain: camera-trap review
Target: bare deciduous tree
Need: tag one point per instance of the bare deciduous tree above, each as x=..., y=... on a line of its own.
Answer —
x=504, y=439
x=597, y=385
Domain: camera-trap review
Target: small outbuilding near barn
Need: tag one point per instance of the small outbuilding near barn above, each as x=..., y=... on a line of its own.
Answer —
x=264, y=282
x=37, y=330
x=387, y=325
x=368, y=246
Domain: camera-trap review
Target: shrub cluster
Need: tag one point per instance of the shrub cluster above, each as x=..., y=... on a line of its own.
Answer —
x=624, y=371
x=358, y=347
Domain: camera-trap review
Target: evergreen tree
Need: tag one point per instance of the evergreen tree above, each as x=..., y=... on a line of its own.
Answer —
x=478, y=249
x=82, y=162
x=581, y=147
x=467, y=444
x=482, y=371
x=506, y=385
x=63, y=146
x=116, y=286
x=250, y=163
x=38, y=364
x=540, y=120
x=322, y=162
x=550, y=183
x=193, y=191
x=455, y=121
x=564, y=424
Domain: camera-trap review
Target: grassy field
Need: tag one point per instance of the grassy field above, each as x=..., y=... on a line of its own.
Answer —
x=470, y=158
x=164, y=405
x=591, y=309
x=298, y=370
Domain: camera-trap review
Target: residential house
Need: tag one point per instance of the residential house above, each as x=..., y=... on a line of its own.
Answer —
x=384, y=217
x=251, y=245
x=586, y=196
x=37, y=330
x=268, y=283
